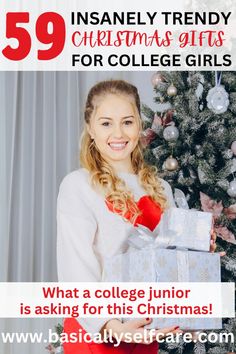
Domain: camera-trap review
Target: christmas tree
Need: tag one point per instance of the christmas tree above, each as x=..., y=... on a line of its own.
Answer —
x=191, y=138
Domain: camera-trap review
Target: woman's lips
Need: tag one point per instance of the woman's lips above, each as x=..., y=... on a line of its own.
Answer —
x=118, y=146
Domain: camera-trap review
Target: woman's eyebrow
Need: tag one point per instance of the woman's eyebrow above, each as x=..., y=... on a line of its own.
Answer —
x=104, y=118
x=131, y=116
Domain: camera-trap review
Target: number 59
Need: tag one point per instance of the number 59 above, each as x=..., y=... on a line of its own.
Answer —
x=56, y=38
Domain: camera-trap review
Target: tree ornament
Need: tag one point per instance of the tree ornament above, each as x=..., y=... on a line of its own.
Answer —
x=147, y=137
x=232, y=189
x=171, y=164
x=157, y=126
x=217, y=97
x=228, y=154
x=171, y=133
x=157, y=79
x=172, y=90
x=163, y=120
x=233, y=147
x=198, y=147
x=181, y=178
x=199, y=150
x=199, y=90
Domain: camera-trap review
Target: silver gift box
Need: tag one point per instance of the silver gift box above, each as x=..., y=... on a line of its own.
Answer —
x=189, y=229
x=166, y=265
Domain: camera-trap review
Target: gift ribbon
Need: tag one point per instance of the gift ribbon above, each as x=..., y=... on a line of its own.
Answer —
x=182, y=266
x=142, y=238
x=218, y=78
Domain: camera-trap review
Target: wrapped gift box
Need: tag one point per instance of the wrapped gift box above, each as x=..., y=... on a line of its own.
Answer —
x=189, y=229
x=167, y=265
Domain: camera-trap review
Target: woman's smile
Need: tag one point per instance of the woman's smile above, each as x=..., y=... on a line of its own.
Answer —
x=118, y=146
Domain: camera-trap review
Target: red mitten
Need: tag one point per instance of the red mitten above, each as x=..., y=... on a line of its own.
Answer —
x=151, y=212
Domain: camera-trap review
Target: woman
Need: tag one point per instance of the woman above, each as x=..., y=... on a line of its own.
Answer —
x=99, y=204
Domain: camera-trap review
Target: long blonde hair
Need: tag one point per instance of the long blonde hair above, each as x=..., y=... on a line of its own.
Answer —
x=103, y=177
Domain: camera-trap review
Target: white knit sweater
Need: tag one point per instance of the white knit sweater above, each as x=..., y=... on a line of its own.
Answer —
x=87, y=231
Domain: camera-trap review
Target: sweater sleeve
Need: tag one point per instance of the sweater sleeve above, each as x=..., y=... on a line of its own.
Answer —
x=76, y=230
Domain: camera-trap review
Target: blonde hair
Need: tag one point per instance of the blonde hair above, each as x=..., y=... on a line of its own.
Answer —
x=103, y=177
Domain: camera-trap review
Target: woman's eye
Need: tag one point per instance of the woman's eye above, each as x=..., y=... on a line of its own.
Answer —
x=106, y=124
x=128, y=122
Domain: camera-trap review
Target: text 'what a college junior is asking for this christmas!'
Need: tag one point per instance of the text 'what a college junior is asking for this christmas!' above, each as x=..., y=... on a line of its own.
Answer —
x=119, y=299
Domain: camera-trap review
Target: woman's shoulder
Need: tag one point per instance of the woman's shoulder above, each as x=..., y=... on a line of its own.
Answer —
x=75, y=194
x=75, y=180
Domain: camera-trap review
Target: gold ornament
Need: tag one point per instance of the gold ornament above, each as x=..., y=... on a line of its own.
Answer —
x=171, y=164
x=172, y=90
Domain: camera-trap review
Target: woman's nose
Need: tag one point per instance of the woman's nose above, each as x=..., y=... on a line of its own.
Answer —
x=117, y=132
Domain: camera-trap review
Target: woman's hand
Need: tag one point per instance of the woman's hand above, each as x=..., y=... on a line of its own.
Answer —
x=137, y=326
x=213, y=243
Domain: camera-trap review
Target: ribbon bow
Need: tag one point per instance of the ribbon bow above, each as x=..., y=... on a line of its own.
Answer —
x=142, y=238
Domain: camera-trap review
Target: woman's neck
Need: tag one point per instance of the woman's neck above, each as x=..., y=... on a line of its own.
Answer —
x=121, y=167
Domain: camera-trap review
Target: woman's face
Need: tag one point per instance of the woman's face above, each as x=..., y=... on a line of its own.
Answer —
x=115, y=128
